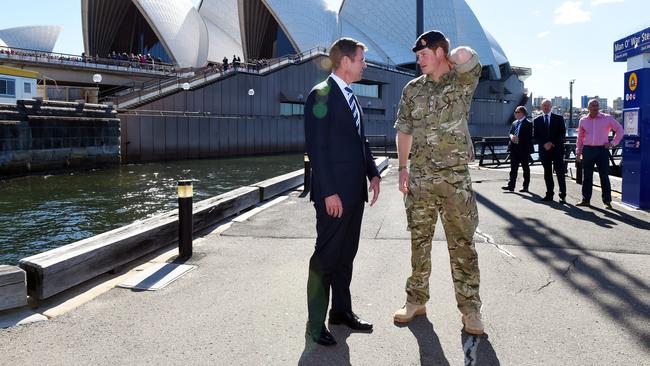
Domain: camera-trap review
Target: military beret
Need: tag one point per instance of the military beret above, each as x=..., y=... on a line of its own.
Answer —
x=427, y=39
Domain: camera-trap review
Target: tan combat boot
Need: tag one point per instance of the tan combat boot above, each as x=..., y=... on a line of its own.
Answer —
x=409, y=311
x=473, y=323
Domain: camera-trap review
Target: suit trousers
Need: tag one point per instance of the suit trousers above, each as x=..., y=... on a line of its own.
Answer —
x=516, y=159
x=600, y=156
x=550, y=163
x=330, y=266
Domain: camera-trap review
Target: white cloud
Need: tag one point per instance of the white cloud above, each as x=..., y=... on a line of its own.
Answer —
x=571, y=12
x=537, y=13
x=557, y=63
x=600, y=2
x=543, y=34
x=538, y=67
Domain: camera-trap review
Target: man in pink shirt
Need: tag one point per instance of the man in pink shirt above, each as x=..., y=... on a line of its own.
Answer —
x=592, y=148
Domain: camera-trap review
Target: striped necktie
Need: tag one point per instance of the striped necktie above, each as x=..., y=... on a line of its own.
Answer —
x=353, y=107
x=517, y=127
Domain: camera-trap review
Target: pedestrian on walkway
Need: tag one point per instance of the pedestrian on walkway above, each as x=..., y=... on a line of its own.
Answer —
x=520, y=147
x=592, y=147
x=341, y=162
x=432, y=123
x=549, y=132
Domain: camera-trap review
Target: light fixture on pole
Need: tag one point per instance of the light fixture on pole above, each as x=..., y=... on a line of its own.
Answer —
x=251, y=93
x=185, y=86
x=571, y=102
x=97, y=78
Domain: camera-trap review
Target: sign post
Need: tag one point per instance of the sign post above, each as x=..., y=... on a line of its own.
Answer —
x=635, y=50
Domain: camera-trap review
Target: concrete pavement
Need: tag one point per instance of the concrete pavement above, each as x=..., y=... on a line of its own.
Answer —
x=561, y=285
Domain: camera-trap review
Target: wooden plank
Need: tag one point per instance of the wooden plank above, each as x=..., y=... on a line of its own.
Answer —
x=274, y=186
x=13, y=292
x=212, y=210
x=10, y=275
x=59, y=269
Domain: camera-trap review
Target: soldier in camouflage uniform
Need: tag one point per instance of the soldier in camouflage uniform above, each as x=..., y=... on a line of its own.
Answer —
x=432, y=125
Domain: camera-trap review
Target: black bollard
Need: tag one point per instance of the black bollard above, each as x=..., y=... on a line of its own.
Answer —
x=185, y=225
x=307, y=183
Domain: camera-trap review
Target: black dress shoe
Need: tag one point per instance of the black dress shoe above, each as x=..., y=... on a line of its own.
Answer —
x=547, y=198
x=562, y=200
x=523, y=190
x=351, y=320
x=506, y=188
x=322, y=336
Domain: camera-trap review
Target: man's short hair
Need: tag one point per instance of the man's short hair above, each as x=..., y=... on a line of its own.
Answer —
x=522, y=109
x=546, y=100
x=344, y=47
x=594, y=100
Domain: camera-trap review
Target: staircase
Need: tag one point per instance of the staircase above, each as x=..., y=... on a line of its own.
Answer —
x=132, y=96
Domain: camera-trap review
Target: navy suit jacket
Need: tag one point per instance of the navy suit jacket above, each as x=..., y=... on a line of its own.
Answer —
x=340, y=157
x=525, y=145
x=555, y=133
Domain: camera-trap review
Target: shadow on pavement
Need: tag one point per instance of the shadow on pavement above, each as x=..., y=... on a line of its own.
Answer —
x=431, y=352
x=584, y=271
x=339, y=354
x=478, y=350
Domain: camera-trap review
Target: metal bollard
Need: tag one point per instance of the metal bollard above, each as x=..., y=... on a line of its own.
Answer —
x=307, y=183
x=185, y=225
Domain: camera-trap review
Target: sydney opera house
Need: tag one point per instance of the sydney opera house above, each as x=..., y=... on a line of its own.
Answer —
x=292, y=35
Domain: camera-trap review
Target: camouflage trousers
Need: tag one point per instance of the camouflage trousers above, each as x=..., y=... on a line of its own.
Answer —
x=448, y=192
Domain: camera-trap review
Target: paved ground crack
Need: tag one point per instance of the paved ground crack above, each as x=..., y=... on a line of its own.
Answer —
x=488, y=239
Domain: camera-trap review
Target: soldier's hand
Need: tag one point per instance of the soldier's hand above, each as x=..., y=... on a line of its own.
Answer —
x=579, y=158
x=374, y=187
x=460, y=55
x=334, y=206
x=404, y=181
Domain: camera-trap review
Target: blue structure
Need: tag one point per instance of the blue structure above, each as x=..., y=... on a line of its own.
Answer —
x=635, y=49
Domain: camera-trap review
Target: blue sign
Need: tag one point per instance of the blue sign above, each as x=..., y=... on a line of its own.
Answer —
x=633, y=45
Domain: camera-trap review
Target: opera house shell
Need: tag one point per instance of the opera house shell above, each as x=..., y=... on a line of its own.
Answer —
x=37, y=37
x=189, y=36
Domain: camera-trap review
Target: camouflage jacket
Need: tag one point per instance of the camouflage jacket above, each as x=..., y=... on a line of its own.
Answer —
x=436, y=114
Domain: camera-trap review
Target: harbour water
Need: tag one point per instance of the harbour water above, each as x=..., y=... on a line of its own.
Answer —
x=38, y=213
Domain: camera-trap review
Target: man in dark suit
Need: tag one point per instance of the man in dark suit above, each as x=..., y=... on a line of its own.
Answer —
x=549, y=133
x=341, y=163
x=520, y=147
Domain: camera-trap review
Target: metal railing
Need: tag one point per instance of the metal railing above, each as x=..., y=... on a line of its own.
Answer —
x=99, y=63
x=494, y=149
x=131, y=94
x=134, y=93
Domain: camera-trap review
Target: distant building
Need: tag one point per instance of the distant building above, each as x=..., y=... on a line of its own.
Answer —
x=585, y=101
x=617, y=104
x=537, y=102
x=16, y=84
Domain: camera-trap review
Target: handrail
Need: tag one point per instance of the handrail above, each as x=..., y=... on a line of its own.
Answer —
x=200, y=76
x=500, y=143
x=209, y=73
x=37, y=56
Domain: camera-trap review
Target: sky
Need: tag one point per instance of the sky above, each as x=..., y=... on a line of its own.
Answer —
x=559, y=40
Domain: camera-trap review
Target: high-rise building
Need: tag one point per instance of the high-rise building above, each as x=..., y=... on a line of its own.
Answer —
x=585, y=101
x=617, y=104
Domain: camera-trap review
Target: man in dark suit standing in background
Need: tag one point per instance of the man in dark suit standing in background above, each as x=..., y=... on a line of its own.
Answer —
x=341, y=162
x=549, y=132
x=520, y=147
